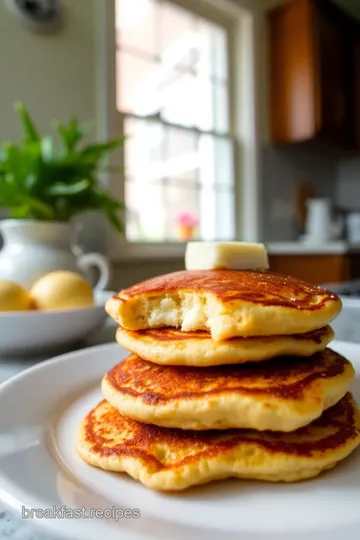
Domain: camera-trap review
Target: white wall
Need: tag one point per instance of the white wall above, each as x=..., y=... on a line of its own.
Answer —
x=54, y=75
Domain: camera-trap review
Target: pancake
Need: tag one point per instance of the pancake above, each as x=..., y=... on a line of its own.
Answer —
x=281, y=395
x=226, y=303
x=170, y=459
x=169, y=346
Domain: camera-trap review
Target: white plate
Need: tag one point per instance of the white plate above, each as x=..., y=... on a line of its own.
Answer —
x=41, y=409
x=37, y=331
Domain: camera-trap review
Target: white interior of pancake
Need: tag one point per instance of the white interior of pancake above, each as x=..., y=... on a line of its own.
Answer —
x=189, y=312
x=185, y=310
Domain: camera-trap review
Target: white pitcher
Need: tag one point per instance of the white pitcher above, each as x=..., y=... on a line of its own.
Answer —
x=320, y=227
x=34, y=248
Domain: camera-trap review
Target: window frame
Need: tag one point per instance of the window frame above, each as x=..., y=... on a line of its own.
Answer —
x=247, y=25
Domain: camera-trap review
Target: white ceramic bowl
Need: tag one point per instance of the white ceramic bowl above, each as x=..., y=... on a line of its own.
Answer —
x=31, y=332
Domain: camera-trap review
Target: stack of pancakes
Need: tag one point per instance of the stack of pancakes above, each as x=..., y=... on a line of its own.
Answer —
x=229, y=376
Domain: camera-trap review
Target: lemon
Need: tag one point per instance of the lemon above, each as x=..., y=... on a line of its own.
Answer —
x=62, y=290
x=14, y=297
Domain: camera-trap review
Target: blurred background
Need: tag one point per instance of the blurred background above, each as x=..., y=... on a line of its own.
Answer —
x=241, y=118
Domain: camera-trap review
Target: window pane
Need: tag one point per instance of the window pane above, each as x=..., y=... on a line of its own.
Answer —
x=216, y=161
x=146, y=211
x=194, y=101
x=221, y=108
x=137, y=84
x=181, y=155
x=188, y=100
x=172, y=174
x=182, y=83
x=220, y=48
x=207, y=172
x=181, y=142
x=177, y=37
x=224, y=162
x=212, y=50
x=136, y=24
x=144, y=150
x=182, y=211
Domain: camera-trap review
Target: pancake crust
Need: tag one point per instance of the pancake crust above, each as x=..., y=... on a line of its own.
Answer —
x=227, y=303
x=281, y=395
x=169, y=346
x=169, y=459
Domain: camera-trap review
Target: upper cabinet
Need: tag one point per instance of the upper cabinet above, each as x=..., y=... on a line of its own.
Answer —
x=314, y=74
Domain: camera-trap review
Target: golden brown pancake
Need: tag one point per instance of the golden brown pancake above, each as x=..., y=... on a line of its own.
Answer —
x=226, y=303
x=169, y=459
x=281, y=395
x=170, y=346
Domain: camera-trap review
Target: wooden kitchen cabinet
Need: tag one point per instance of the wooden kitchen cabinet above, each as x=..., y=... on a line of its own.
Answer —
x=313, y=73
x=318, y=269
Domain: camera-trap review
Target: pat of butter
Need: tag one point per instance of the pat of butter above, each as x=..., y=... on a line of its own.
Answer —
x=229, y=255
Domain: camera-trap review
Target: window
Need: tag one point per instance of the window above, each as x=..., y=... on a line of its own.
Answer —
x=173, y=95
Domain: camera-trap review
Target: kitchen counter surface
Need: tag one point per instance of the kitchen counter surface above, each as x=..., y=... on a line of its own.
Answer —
x=306, y=248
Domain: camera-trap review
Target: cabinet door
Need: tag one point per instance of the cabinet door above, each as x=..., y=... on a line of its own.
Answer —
x=292, y=72
x=335, y=47
x=318, y=269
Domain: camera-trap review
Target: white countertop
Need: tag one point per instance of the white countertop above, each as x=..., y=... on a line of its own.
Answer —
x=307, y=248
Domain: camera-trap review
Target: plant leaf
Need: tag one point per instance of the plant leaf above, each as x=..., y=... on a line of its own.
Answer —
x=71, y=134
x=111, y=207
x=8, y=192
x=30, y=182
x=39, y=209
x=109, y=200
x=31, y=134
x=47, y=149
x=29, y=207
x=20, y=163
x=98, y=150
x=20, y=212
x=39, y=181
x=115, y=220
x=62, y=189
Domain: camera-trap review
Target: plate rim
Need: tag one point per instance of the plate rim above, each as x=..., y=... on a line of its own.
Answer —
x=52, y=361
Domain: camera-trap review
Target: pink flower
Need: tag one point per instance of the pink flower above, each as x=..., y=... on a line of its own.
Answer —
x=188, y=219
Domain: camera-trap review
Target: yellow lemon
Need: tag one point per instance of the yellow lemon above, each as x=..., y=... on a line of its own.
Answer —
x=13, y=297
x=62, y=290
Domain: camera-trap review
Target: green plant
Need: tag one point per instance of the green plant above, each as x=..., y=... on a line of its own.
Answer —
x=45, y=180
